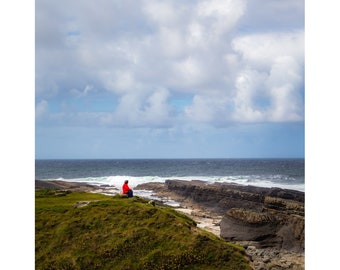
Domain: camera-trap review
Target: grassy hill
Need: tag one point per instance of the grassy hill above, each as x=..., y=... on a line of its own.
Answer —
x=121, y=233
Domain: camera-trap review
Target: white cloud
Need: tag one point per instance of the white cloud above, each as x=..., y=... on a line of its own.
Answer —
x=208, y=109
x=220, y=16
x=162, y=12
x=143, y=110
x=249, y=86
x=41, y=110
x=284, y=84
x=274, y=64
x=82, y=93
x=123, y=81
x=260, y=49
x=145, y=52
x=267, y=83
x=269, y=15
x=189, y=72
x=171, y=42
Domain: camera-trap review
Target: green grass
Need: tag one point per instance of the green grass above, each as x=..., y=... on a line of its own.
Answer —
x=121, y=233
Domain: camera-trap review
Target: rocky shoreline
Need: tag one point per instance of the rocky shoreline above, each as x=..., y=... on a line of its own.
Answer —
x=267, y=222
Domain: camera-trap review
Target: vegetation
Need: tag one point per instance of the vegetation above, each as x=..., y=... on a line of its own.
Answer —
x=123, y=233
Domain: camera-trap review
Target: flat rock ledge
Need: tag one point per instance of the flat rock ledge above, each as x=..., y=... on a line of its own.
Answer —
x=268, y=222
x=75, y=186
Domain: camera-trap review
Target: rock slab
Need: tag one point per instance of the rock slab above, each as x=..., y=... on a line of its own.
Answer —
x=270, y=217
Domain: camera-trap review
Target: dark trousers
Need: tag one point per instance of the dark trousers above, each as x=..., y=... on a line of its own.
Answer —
x=130, y=193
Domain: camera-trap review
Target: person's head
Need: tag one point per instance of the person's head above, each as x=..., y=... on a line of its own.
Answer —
x=126, y=181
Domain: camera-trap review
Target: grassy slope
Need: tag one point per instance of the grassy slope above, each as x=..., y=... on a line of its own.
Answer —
x=117, y=233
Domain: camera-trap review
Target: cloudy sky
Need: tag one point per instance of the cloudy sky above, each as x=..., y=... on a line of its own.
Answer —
x=169, y=79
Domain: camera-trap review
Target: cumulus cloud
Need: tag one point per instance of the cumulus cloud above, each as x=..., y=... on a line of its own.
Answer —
x=145, y=53
x=82, y=93
x=221, y=15
x=248, y=89
x=267, y=84
x=208, y=109
x=274, y=74
x=261, y=49
x=41, y=110
x=141, y=111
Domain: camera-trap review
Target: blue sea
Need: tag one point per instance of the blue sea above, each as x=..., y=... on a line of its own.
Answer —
x=283, y=173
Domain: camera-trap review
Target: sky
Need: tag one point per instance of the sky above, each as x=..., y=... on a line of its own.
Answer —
x=169, y=79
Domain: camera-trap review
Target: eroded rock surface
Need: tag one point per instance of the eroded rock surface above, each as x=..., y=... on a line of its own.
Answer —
x=271, y=217
x=268, y=222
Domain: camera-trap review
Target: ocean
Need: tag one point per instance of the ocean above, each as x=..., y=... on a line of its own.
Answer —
x=283, y=173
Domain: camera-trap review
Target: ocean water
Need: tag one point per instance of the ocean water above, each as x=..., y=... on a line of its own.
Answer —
x=283, y=173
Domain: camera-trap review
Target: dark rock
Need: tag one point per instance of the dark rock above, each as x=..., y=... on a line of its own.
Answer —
x=279, y=230
x=63, y=185
x=46, y=185
x=271, y=217
x=246, y=225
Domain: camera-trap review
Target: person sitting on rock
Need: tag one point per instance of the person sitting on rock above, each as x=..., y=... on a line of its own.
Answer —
x=127, y=190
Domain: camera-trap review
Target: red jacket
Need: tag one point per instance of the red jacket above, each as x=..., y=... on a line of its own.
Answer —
x=125, y=188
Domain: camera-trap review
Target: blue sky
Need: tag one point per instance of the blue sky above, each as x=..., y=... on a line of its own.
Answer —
x=169, y=79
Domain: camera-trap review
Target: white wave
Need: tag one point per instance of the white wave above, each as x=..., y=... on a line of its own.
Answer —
x=118, y=180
